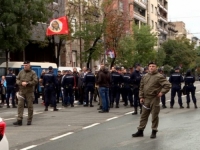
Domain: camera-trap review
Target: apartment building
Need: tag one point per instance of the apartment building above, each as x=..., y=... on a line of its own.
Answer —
x=152, y=17
x=180, y=27
x=162, y=20
x=139, y=11
x=172, y=32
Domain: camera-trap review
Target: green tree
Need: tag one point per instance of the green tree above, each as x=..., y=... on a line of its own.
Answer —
x=179, y=52
x=138, y=47
x=17, y=17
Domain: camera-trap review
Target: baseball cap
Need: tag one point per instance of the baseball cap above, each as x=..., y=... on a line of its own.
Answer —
x=27, y=62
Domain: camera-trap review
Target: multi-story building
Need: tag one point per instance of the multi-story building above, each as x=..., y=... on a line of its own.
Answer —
x=172, y=32
x=139, y=11
x=180, y=27
x=152, y=17
x=162, y=20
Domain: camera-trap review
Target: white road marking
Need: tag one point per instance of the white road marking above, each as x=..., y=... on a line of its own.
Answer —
x=9, y=119
x=91, y=126
x=32, y=146
x=129, y=113
x=58, y=137
x=111, y=118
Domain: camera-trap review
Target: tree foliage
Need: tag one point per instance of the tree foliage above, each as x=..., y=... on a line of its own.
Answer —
x=179, y=52
x=138, y=47
x=17, y=18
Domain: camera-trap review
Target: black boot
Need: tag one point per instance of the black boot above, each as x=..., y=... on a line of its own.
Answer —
x=111, y=105
x=55, y=109
x=100, y=108
x=135, y=111
x=188, y=105
x=153, y=134
x=46, y=108
x=139, y=133
x=195, y=105
x=29, y=123
x=18, y=123
x=164, y=106
x=181, y=106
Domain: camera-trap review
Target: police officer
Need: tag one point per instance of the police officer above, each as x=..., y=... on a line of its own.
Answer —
x=58, y=89
x=89, y=81
x=127, y=93
x=163, y=97
x=190, y=88
x=10, y=81
x=175, y=79
x=135, y=80
x=68, y=85
x=50, y=84
x=116, y=81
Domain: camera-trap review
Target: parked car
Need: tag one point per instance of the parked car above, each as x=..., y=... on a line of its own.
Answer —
x=3, y=140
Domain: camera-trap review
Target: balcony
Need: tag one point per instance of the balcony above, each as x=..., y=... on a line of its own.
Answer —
x=162, y=18
x=162, y=30
x=162, y=7
x=140, y=17
x=141, y=4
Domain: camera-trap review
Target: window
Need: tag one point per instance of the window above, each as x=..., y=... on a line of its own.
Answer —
x=121, y=5
x=152, y=8
x=73, y=24
x=152, y=23
x=156, y=10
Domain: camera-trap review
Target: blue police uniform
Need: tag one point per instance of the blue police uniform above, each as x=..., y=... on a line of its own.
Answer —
x=50, y=84
x=68, y=85
x=89, y=81
x=175, y=79
x=190, y=88
x=127, y=93
x=11, y=82
x=135, y=80
x=116, y=81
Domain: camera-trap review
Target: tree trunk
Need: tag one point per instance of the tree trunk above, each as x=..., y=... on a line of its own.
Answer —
x=58, y=52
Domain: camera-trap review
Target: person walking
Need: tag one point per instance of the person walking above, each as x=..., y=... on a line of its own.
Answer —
x=190, y=88
x=26, y=80
x=3, y=90
x=152, y=86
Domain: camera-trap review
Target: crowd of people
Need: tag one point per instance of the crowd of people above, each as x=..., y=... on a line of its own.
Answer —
x=105, y=86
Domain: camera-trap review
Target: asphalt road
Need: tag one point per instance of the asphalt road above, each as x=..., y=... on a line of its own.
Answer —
x=85, y=129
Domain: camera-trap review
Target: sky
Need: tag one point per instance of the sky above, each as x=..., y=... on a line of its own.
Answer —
x=187, y=11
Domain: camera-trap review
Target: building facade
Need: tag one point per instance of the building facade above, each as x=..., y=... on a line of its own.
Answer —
x=172, y=32
x=180, y=27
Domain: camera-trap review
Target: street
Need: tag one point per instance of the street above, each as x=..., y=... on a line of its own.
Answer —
x=83, y=128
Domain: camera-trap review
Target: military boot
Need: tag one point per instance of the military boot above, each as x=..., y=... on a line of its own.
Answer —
x=195, y=105
x=188, y=105
x=164, y=106
x=153, y=134
x=181, y=106
x=139, y=133
x=135, y=111
x=28, y=123
x=46, y=108
x=18, y=123
x=55, y=109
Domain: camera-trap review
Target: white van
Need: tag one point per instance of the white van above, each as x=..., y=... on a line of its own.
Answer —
x=69, y=68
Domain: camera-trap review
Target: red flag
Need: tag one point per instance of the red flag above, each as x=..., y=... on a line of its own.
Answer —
x=58, y=26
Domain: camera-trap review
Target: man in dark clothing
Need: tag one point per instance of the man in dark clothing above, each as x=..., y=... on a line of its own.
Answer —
x=116, y=81
x=69, y=85
x=127, y=93
x=50, y=84
x=76, y=76
x=135, y=80
x=58, y=88
x=103, y=82
x=11, y=81
x=89, y=82
x=176, y=79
